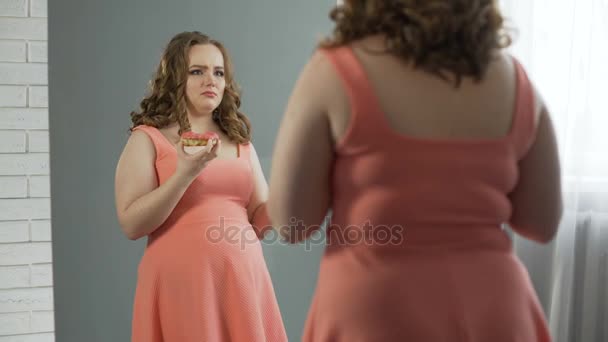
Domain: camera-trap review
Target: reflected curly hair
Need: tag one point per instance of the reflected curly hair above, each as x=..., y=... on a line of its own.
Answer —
x=444, y=37
x=166, y=102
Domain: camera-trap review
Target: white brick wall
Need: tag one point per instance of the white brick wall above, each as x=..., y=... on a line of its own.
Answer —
x=26, y=275
x=12, y=51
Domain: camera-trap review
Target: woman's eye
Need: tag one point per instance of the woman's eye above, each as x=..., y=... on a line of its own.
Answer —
x=219, y=73
x=195, y=72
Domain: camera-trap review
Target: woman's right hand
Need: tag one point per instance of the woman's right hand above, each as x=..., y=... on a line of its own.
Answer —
x=191, y=165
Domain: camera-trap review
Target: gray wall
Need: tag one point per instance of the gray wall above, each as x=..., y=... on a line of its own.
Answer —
x=101, y=56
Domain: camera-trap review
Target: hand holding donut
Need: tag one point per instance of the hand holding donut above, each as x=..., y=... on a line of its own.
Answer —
x=195, y=151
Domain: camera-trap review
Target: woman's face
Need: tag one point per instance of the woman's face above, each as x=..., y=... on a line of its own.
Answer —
x=206, y=82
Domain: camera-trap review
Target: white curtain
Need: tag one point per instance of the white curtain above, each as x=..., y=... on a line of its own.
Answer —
x=564, y=46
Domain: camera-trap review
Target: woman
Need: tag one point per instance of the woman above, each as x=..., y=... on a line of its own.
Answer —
x=424, y=137
x=203, y=276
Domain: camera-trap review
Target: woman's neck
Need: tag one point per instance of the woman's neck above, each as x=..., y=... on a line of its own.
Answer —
x=202, y=123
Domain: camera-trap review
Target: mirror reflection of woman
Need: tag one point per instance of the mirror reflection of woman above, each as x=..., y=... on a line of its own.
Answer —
x=203, y=276
x=423, y=136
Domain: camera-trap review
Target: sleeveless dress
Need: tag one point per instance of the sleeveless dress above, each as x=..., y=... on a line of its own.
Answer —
x=203, y=276
x=415, y=246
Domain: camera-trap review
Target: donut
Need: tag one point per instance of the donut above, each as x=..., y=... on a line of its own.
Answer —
x=197, y=139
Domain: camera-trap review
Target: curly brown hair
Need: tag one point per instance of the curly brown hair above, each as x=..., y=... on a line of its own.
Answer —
x=443, y=37
x=166, y=102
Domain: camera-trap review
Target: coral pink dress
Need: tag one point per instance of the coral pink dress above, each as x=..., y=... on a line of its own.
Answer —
x=203, y=276
x=441, y=268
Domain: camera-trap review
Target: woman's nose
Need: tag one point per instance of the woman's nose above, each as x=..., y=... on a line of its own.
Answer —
x=209, y=80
